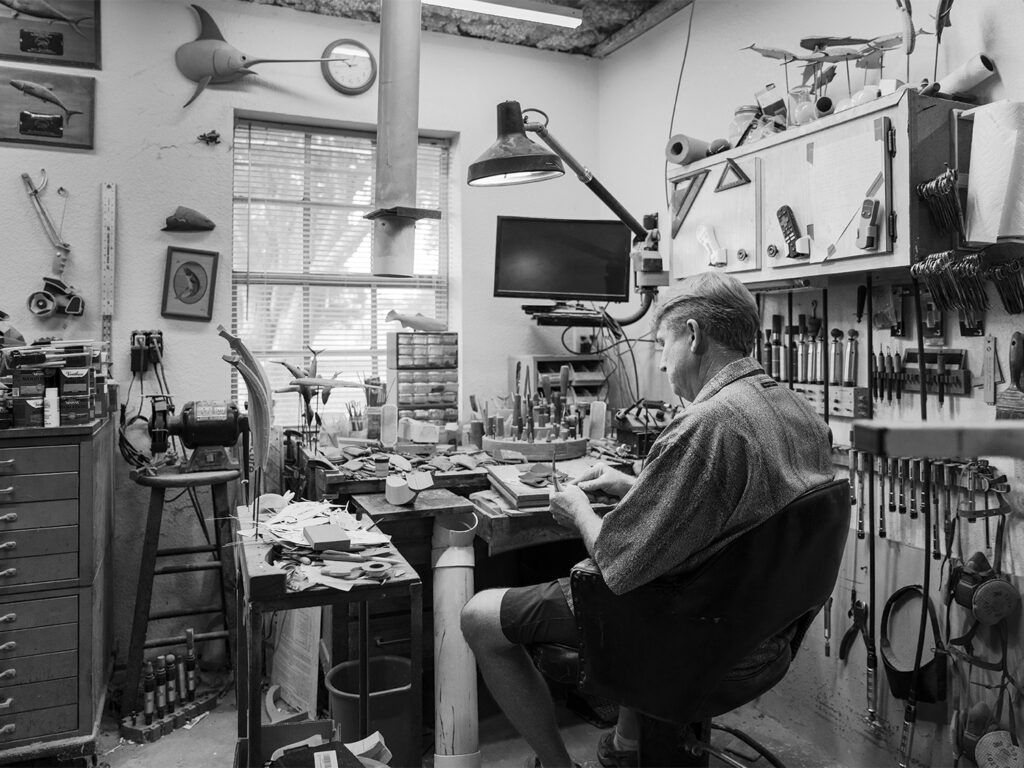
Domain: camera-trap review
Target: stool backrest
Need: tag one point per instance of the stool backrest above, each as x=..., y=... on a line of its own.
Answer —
x=664, y=647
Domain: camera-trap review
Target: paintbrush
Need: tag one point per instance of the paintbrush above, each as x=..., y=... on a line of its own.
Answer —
x=1010, y=403
x=554, y=472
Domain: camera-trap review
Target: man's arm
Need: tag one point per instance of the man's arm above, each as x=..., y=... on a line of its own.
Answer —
x=571, y=508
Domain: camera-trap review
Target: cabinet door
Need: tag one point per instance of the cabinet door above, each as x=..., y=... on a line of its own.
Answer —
x=714, y=212
x=785, y=181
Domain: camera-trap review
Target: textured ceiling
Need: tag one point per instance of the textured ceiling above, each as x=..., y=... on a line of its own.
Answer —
x=607, y=24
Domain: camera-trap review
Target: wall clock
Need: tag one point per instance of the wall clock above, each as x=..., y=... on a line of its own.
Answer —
x=351, y=68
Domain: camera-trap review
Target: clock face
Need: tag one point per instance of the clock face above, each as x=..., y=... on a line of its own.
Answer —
x=351, y=68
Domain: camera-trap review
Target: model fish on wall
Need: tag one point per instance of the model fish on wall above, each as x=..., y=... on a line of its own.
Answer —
x=40, y=9
x=418, y=322
x=211, y=60
x=44, y=94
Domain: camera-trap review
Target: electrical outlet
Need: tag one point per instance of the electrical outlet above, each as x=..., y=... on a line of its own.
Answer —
x=147, y=348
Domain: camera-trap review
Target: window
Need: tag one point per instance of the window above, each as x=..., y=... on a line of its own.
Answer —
x=301, y=266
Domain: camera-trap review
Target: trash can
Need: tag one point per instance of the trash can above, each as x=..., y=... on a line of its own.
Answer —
x=390, y=683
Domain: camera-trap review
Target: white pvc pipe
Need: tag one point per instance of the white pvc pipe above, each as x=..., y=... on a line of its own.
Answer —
x=456, y=727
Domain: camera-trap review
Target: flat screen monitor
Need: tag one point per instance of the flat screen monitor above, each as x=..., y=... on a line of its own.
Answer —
x=562, y=259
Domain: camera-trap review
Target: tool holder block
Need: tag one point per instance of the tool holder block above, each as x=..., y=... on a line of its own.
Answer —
x=957, y=383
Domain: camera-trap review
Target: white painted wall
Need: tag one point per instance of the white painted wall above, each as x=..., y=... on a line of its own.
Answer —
x=822, y=698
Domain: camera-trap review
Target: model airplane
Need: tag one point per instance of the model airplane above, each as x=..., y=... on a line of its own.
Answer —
x=210, y=59
x=417, y=322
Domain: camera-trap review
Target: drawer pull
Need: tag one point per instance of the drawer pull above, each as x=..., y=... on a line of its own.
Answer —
x=381, y=643
x=9, y=618
x=6, y=704
x=9, y=572
x=7, y=491
x=10, y=517
x=10, y=645
x=7, y=729
x=8, y=545
x=9, y=674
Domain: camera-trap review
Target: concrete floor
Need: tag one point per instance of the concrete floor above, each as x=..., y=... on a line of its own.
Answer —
x=211, y=742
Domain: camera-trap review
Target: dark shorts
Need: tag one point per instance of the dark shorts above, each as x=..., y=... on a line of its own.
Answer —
x=538, y=614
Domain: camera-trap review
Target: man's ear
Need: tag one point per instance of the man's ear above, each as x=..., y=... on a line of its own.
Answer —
x=697, y=340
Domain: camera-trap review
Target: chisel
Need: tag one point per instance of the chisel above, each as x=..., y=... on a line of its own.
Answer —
x=883, y=465
x=893, y=471
x=890, y=376
x=897, y=374
x=904, y=471
x=912, y=477
x=860, y=494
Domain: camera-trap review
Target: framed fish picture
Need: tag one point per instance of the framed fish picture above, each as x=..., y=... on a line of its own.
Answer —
x=62, y=32
x=45, y=107
x=189, y=279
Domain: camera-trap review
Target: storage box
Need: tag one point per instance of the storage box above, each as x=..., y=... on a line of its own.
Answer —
x=76, y=381
x=28, y=382
x=76, y=410
x=28, y=411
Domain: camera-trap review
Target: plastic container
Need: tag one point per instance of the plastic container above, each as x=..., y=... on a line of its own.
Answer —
x=390, y=683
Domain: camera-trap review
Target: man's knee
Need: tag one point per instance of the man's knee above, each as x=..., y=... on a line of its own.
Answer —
x=481, y=618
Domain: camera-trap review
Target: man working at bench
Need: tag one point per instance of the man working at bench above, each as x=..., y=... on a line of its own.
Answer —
x=742, y=449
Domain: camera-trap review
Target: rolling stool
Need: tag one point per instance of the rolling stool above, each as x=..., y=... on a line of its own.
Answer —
x=158, y=484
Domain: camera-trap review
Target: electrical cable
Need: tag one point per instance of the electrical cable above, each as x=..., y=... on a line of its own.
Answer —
x=675, y=101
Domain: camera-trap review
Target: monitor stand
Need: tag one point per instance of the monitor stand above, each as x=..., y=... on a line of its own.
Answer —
x=558, y=306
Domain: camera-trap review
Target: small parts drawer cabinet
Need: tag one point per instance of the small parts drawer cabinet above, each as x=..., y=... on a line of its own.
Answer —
x=55, y=580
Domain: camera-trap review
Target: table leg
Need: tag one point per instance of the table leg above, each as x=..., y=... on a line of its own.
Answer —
x=254, y=675
x=364, y=669
x=416, y=652
x=228, y=585
x=242, y=663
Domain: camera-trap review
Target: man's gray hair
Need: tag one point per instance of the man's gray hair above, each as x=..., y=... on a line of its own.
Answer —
x=721, y=305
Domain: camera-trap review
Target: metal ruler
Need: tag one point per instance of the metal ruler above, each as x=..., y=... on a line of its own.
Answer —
x=108, y=232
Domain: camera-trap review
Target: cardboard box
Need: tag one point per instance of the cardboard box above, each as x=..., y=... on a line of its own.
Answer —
x=28, y=382
x=76, y=381
x=28, y=411
x=76, y=410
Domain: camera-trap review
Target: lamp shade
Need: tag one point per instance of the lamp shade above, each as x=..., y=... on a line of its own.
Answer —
x=513, y=158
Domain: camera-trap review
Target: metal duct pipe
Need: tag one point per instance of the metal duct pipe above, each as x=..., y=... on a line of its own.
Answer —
x=456, y=728
x=398, y=102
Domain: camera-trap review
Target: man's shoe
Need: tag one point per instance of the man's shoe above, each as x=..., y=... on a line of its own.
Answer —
x=610, y=757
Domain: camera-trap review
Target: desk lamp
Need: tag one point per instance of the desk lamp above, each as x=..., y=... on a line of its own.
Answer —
x=514, y=159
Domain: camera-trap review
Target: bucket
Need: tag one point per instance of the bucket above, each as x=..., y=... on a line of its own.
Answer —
x=390, y=683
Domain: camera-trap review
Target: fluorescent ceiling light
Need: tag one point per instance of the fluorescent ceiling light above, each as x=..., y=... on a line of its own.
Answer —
x=524, y=10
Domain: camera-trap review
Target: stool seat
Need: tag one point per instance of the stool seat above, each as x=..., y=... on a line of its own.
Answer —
x=185, y=479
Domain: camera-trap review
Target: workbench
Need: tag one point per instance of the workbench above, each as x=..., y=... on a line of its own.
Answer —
x=262, y=588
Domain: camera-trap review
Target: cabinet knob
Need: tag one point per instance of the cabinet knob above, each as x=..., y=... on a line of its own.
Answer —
x=6, y=704
x=7, y=730
x=9, y=572
x=8, y=545
x=10, y=645
x=10, y=517
x=9, y=618
x=9, y=674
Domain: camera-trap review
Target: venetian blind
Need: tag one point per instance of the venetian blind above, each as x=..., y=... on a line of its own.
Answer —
x=301, y=257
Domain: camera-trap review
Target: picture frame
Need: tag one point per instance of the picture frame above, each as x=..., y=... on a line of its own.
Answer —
x=47, y=107
x=58, y=32
x=190, y=278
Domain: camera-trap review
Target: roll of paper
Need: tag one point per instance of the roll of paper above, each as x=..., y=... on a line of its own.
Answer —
x=995, y=189
x=969, y=74
x=683, y=149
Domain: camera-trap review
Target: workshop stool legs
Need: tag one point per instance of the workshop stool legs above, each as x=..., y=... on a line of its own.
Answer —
x=148, y=570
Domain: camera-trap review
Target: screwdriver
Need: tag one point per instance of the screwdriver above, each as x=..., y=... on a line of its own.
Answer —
x=881, y=496
x=904, y=469
x=897, y=373
x=890, y=376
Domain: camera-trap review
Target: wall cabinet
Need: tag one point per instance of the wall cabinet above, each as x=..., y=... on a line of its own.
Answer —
x=725, y=208
x=55, y=587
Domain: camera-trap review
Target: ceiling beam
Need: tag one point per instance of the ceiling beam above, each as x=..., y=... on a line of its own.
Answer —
x=638, y=26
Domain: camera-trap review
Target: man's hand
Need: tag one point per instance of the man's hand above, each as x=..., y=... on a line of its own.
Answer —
x=568, y=504
x=601, y=478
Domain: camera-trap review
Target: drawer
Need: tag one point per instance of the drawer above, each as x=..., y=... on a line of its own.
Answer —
x=38, y=514
x=40, y=541
x=29, y=696
x=34, y=461
x=25, y=614
x=33, y=669
x=30, y=642
x=58, y=485
x=39, y=722
x=24, y=571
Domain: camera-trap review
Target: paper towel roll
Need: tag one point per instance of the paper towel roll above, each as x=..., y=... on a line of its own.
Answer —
x=683, y=149
x=995, y=189
x=977, y=68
